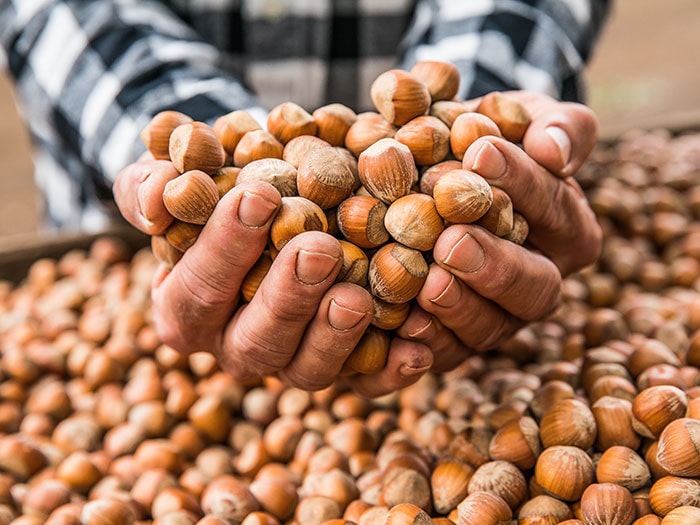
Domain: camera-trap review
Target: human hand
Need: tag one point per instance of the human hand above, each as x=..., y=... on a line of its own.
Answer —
x=482, y=289
x=300, y=325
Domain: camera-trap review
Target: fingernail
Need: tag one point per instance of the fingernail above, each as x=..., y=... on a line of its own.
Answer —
x=141, y=200
x=408, y=371
x=466, y=255
x=563, y=142
x=489, y=162
x=450, y=295
x=342, y=318
x=314, y=267
x=254, y=211
x=422, y=331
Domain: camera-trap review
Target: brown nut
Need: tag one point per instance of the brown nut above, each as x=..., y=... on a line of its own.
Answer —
x=501, y=478
x=413, y=220
x=397, y=273
x=462, y=196
x=387, y=170
x=355, y=264
x=296, y=149
x=333, y=122
x=399, y=96
x=498, y=219
x=670, y=492
x=366, y=130
x=623, y=466
x=156, y=135
x=679, y=447
x=195, y=146
x=225, y=179
x=288, y=120
x=296, y=215
x=255, y=275
x=325, y=177
x=441, y=78
x=361, y=221
x=448, y=110
x=281, y=174
x=256, y=144
x=182, y=235
x=231, y=127
x=191, y=197
x=517, y=441
x=509, y=114
x=564, y=472
x=370, y=354
x=657, y=406
x=389, y=316
x=484, y=508
x=568, y=422
x=467, y=128
x=603, y=503
x=427, y=137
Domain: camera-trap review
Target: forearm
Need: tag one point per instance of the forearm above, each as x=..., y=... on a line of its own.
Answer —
x=509, y=44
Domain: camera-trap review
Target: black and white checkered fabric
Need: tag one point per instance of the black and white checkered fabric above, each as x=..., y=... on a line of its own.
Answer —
x=91, y=73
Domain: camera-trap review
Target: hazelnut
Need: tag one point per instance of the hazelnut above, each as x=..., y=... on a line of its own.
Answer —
x=195, y=146
x=296, y=215
x=449, y=484
x=387, y=170
x=569, y=422
x=441, y=78
x=427, y=137
x=333, y=122
x=156, y=135
x=281, y=174
x=296, y=149
x=397, y=273
x=413, y=220
x=399, y=96
x=191, y=197
x=517, y=441
x=623, y=466
x=369, y=128
x=510, y=115
x=462, y=196
x=288, y=120
x=564, y=471
x=670, y=492
x=370, y=354
x=182, y=235
x=657, y=406
x=231, y=127
x=256, y=144
x=361, y=221
x=484, y=508
x=502, y=479
x=467, y=128
x=607, y=503
x=325, y=177
x=355, y=264
x=407, y=514
x=679, y=447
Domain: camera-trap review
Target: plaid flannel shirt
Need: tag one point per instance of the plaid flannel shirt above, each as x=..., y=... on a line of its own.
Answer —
x=91, y=73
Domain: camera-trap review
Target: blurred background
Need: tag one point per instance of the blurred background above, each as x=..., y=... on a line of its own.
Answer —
x=643, y=74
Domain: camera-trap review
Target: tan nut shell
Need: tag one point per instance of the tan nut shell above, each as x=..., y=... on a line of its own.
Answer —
x=441, y=78
x=679, y=447
x=399, y=96
x=387, y=170
x=195, y=146
x=462, y=196
x=397, y=273
x=191, y=197
x=427, y=137
x=281, y=174
x=413, y=220
x=361, y=221
x=325, y=177
x=156, y=135
x=296, y=215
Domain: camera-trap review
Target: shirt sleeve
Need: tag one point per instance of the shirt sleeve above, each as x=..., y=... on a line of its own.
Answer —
x=535, y=45
x=89, y=76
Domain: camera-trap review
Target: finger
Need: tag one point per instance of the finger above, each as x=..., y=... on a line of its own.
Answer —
x=561, y=135
x=448, y=351
x=478, y=322
x=198, y=297
x=562, y=224
x=264, y=336
x=520, y=281
x=138, y=192
x=343, y=315
x=407, y=362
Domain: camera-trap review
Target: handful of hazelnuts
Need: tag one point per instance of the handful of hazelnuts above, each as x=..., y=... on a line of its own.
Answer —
x=385, y=183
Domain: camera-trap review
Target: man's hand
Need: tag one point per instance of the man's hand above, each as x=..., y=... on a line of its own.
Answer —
x=482, y=289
